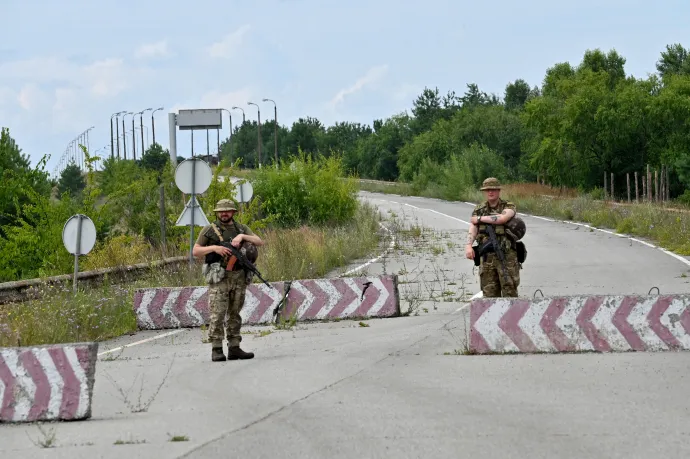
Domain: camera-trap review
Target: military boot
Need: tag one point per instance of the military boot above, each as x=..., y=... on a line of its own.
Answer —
x=217, y=354
x=234, y=353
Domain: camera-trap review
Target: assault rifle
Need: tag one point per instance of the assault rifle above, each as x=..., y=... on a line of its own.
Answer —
x=239, y=257
x=490, y=246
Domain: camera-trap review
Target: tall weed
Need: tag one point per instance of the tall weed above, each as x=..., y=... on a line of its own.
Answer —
x=307, y=191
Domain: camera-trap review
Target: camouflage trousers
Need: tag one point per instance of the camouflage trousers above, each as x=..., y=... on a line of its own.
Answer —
x=226, y=299
x=491, y=278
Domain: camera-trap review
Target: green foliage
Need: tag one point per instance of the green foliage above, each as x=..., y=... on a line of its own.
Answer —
x=71, y=180
x=19, y=180
x=155, y=158
x=307, y=191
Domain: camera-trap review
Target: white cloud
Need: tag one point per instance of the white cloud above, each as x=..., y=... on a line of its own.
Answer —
x=31, y=97
x=373, y=75
x=103, y=78
x=109, y=77
x=57, y=96
x=158, y=49
x=228, y=46
x=406, y=92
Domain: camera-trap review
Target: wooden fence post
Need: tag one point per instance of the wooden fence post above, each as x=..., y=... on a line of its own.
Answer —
x=649, y=184
x=656, y=185
x=627, y=179
x=605, y=186
x=613, y=196
x=637, y=196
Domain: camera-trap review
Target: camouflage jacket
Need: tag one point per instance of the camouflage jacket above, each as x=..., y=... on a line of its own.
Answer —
x=485, y=209
x=208, y=236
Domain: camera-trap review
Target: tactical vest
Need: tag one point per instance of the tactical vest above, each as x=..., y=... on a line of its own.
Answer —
x=228, y=235
x=500, y=231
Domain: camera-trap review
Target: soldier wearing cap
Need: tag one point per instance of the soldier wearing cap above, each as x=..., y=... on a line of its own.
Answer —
x=226, y=288
x=502, y=215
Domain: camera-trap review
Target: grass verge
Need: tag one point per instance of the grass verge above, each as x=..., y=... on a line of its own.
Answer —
x=106, y=312
x=667, y=228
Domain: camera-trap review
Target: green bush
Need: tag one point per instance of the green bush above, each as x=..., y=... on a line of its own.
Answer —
x=307, y=191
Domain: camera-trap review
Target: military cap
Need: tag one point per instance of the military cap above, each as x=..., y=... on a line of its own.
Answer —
x=491, y=183
x=225, y=205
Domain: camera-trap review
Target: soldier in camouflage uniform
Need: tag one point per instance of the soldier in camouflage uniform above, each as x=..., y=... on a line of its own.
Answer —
x=494, y=211
x=226, y=288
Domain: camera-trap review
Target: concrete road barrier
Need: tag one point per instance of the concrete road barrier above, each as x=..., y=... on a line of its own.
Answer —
x=609, y=323
x=47, y=383
x=313, y=299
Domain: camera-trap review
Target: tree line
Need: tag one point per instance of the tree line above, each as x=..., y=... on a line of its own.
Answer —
x=583, y=121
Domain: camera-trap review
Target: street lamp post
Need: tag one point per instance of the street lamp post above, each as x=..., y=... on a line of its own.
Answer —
x=87, y=139
x=240, y=108
x=258, y=110
x=153, y=124
x=141, y=124
x=112, y=143
x=134, y=140
x=275, y=134
x=117, y=131
x=124, y=137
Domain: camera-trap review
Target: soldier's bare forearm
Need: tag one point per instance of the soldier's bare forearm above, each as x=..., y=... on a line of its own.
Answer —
x=471, y=234
x=202, y=251
x=254, y=239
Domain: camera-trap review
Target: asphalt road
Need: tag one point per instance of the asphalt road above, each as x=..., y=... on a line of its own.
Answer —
x=400, y=387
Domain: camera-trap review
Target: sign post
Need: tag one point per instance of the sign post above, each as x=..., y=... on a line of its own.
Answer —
x=79, y=237
x=198, y=119
x=192, y=176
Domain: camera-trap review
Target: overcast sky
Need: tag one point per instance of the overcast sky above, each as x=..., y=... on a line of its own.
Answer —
x=69, y=65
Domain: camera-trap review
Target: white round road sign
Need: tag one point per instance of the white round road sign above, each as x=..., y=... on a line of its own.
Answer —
x=87, y=234
x=202, y=176
x=243, y=192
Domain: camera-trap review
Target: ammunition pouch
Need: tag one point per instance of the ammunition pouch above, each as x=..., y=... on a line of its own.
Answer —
x=212, y=257
x=521, y=250
x=213, y=272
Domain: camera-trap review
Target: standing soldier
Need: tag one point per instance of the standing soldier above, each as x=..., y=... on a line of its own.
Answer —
x=509, y=229
x=226, y=288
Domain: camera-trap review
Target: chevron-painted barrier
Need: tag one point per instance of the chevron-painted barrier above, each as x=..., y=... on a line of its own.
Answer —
x=47, y=383
x=606, y=323
x=313, y=299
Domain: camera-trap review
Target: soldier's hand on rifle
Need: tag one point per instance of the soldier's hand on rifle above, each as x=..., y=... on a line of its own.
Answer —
x=222, y=251
x=238, y=240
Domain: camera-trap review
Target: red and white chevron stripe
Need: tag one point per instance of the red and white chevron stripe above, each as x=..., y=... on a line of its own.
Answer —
x=47, y=383
x=616, y=323
x=342, y=298
x=174, y=307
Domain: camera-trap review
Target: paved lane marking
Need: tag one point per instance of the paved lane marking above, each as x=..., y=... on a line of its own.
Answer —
x=142, y=341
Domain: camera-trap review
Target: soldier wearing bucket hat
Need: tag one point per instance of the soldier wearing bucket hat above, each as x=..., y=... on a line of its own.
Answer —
x=227, y=289
x=509, y=229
